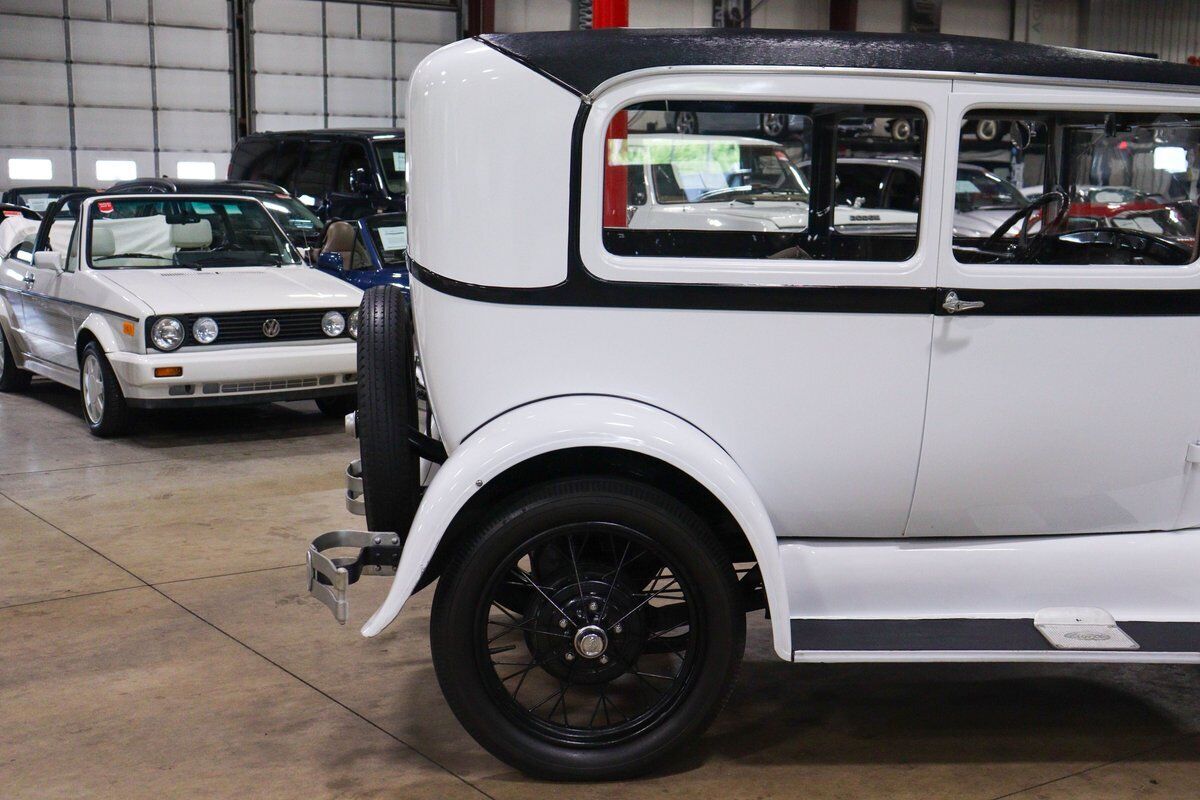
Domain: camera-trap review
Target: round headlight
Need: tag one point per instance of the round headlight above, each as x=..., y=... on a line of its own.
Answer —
x=354, y=323
x=167, y=333
x=333, y=323
x=205, y=330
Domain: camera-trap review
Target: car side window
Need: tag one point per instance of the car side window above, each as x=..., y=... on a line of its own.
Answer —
x=354, y=156
x=23, y=253
x=254, y=159
x=1078, y=188
x=73, y=249
x=316, y=174
x=759, y=180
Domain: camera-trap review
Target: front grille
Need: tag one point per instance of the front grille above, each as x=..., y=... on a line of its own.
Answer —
x=279, y=384
x=246, y=327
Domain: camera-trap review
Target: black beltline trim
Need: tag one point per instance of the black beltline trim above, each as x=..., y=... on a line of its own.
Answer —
x=907, y=635
x=587, y=290
x=41, y=296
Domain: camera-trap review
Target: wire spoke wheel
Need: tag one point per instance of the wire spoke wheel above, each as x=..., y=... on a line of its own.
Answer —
x=589, y=634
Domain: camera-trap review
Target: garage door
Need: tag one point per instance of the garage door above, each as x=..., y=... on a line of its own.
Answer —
x=96, y=91
x=338, y=65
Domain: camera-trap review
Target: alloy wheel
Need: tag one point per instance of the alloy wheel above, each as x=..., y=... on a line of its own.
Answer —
x=93, y=388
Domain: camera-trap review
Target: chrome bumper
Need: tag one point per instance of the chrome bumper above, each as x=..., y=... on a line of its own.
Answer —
x=329, y=578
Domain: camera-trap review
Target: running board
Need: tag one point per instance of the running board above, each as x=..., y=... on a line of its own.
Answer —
x=1047, y=637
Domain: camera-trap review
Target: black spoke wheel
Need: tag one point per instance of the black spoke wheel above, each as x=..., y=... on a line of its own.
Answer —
x=588, y=630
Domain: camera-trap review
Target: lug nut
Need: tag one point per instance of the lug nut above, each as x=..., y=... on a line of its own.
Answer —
x=569, y=656
x=562, y=623
x=618, y=628
x=603, y=659
x=593, y=606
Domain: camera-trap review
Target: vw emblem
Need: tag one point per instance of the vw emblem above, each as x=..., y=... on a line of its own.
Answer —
x=271, y=328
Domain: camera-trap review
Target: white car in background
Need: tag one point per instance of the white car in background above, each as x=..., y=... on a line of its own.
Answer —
x=730, y=183
x=156, y=301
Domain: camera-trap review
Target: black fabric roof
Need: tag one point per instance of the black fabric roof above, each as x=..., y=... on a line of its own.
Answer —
x=582, y=60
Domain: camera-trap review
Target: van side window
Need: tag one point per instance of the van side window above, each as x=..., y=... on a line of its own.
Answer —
x=758, y=180
x=253, y=159
x=315, y=176
x=354, y=156
x=1077, y=187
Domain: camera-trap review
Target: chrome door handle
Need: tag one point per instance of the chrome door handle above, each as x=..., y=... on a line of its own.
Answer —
x=29, y=280
x=953, y=305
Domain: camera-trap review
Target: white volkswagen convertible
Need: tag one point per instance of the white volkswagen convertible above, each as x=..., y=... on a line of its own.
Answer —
x=904, y=442
x=156, y=301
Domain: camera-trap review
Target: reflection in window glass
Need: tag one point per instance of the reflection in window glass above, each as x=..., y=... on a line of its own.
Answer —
x=1079, y=188
x=744, y=180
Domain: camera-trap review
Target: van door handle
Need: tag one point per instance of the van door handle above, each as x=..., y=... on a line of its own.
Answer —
x=953, y=305
x=29, y=280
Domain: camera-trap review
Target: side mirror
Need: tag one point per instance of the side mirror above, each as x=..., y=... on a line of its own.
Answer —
x=49, y=259
x=331, y=261
x=359, y=182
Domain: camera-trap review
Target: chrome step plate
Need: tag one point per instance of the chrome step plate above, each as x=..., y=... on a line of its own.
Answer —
x=1082, y=629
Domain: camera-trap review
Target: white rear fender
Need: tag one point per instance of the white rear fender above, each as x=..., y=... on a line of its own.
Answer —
x=585, y=421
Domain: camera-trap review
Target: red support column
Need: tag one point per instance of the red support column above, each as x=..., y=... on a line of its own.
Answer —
x=481, y=17
x=614, y=14
x=610, y=13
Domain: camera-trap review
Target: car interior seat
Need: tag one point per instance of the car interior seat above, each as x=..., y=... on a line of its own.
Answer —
x=340, y=238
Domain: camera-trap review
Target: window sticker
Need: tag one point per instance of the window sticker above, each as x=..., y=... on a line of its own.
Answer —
x=105, y=207
x=39, y=204
x=233, y=208
x=302, y=224
x=965, y=187
x=202, y=208
x=398, y=163
x=394, y=237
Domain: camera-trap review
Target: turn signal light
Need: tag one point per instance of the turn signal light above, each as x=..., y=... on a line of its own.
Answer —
x=168, y=372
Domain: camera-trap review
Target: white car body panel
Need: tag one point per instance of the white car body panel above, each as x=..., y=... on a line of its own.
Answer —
x=865, y=422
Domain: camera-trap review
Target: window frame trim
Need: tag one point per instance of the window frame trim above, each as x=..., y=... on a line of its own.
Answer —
x=926, y=95
x=968, y=96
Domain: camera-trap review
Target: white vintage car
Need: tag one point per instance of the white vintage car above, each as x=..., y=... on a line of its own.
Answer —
x=903, y=444
x=171, y=301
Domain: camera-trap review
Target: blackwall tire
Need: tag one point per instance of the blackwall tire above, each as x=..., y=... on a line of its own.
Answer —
x=686, y=122
x=12, y=378
x=463, y=610
x=387, y=410
x=104, y=408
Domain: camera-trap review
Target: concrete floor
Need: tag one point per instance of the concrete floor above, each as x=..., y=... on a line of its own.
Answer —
x=156, y=640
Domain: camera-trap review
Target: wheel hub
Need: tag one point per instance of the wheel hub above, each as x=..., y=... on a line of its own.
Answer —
x=591, y=641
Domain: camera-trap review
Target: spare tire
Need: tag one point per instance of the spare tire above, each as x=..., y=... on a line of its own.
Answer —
x=387, y=411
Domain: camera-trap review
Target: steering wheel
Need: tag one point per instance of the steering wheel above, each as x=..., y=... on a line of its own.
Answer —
x=1022, y=215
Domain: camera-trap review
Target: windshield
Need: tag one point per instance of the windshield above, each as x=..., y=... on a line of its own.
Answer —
x=196, y=233
x=390, y=235
x=392, y=159
x=38, y=200
x=977, y=190
x=294, y=217
x=716, y=171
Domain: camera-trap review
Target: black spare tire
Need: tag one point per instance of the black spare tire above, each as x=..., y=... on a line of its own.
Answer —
x=387, y=410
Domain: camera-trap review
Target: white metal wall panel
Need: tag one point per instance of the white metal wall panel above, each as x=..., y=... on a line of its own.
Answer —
x=338, y=64
x=1169, y=30
x=147, y=81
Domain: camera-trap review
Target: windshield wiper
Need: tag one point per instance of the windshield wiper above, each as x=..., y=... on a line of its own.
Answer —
x=133, y=255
